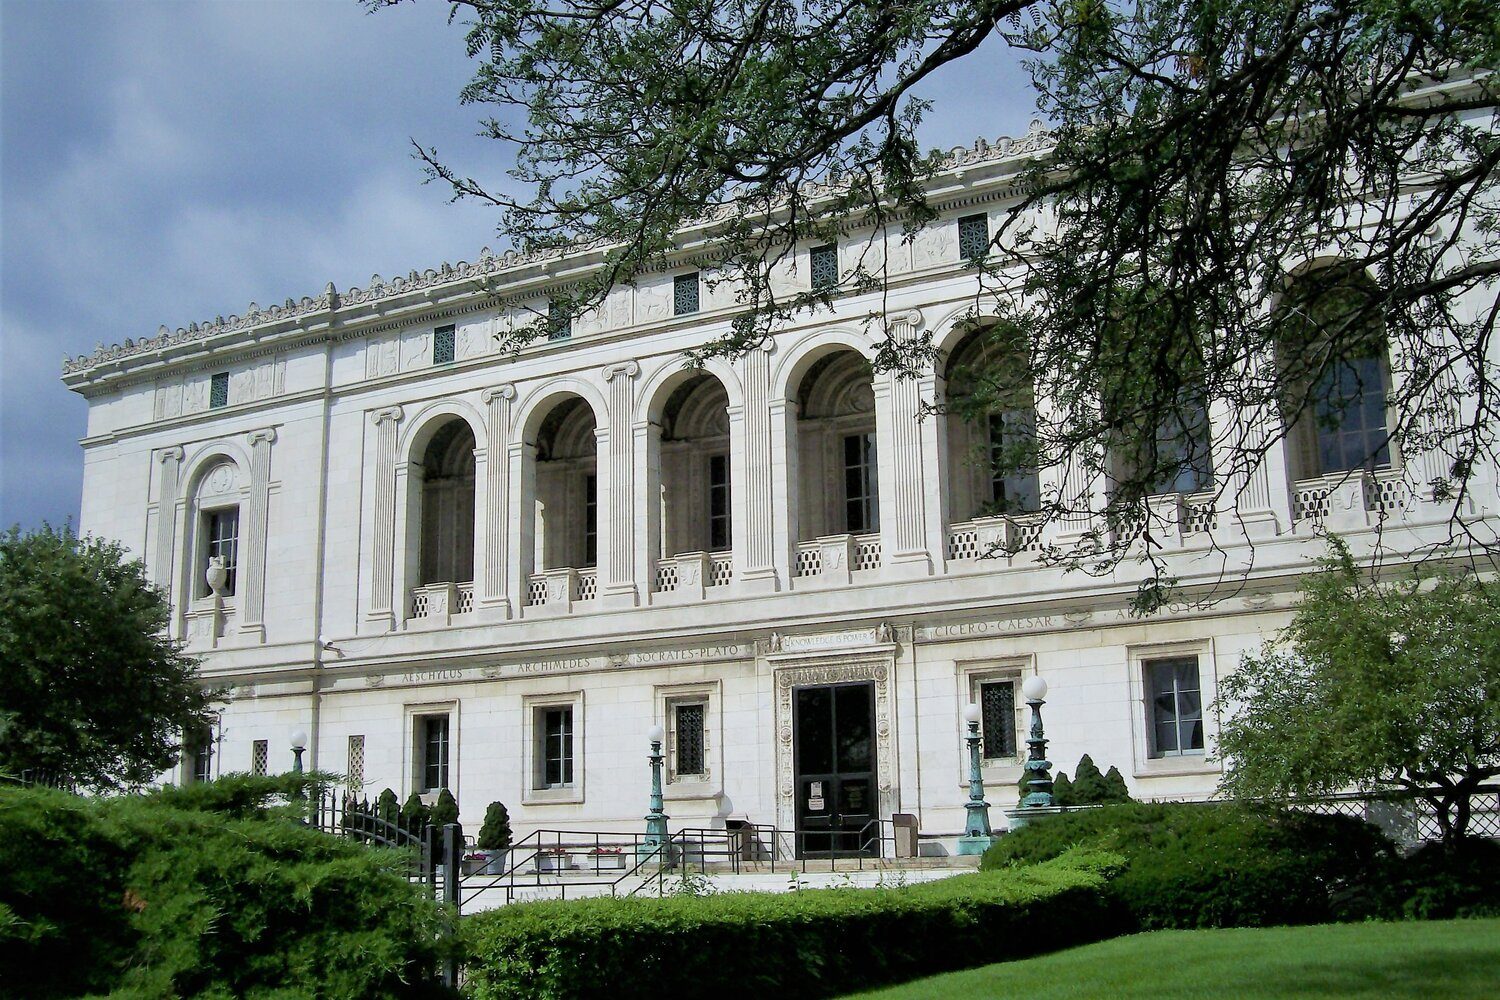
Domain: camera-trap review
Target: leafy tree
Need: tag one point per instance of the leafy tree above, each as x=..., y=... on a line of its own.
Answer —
x=495, y=834
x=1191, y=154
x=92, y=692
x=444, y=810
x=1378, y=685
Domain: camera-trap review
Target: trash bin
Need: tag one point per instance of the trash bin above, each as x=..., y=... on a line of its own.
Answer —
x=905, y=826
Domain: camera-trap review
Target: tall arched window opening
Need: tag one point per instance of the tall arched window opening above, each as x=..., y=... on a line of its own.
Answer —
x=695, y=470
x=991, y=428
x=1333, y=355
x=838, y=468
x=447, y=506
x=567, y=488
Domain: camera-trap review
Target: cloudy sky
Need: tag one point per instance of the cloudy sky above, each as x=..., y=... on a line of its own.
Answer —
x=165, y=162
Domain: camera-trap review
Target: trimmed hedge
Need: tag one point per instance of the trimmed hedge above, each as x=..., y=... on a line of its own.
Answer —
x=811, y=943
x=1221, y=864
x=139, y=896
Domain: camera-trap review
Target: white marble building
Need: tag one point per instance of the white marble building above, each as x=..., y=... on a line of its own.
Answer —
x=495, y=573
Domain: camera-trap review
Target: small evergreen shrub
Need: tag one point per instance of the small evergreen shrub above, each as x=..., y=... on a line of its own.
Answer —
x=1089, y=787
x=387, y=807
x=810, y=943
x=495, y=834
x=1220, y=864
x=1062, y=789
x=415, y=813
x=444, y=810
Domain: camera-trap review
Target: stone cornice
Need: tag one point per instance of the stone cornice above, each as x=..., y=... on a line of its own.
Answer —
x=381, y=303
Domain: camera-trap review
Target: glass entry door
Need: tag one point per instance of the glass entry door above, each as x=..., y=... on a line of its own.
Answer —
x=834, y=732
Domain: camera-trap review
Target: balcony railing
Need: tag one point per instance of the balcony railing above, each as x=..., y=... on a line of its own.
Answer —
x=560, y=589
x=1349, y=499
x=835, y=558
x=689, y=575
x=990, y=537
x=441, y=601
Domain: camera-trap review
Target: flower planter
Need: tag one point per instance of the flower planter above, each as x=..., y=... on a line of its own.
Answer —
x=553, y=862
x=485, y=862
x=608, y=862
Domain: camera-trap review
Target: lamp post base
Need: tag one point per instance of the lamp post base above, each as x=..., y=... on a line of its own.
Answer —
x=1017, y=818
x=977, y=844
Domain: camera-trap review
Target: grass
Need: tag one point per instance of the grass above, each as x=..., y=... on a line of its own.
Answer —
x=1440, y=958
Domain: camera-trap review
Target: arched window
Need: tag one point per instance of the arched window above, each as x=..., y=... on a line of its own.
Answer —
x=217, y=511
x=695, y=473
x=991, y=428
x=1332, y=354
x=838, y=471
x=447, y=506
x=567, y=488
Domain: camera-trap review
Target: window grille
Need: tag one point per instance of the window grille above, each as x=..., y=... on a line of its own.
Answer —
x=591, y=520
x=997, y=705
x=689, y=758
x=557, y=747
x=718, y=503
x=433, y=736
x=1176, y=706
x=218, y=390
x=260, y=757
x=221, y=530
x=442, y=345
x=973, y=237
x=356, y=763
x=685, y=294
x=559, y=323
x=861, y=486
x=825, y=266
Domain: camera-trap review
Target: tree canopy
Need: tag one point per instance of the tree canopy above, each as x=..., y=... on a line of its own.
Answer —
x=92, y=691
x=1377, y=685
x=1201, y=155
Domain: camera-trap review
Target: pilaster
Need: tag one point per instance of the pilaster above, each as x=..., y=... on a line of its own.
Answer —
x=904, y=509
x=383, y=527
x=618, y=585
x=757, y=442
x=493, y=559
x=166, y=518
x=257, y=512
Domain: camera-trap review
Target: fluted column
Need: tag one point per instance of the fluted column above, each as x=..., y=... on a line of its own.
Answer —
x=166, y=518
x=753, y=471
x=785, y=486
x=521, y=458
x=905, y=456
x=252, y=582
x=494, y=567
x=617, y=444
x=383, y=528
x=1251, y=464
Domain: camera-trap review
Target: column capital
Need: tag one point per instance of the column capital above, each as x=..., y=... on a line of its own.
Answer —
x=909, y=320
x=629, y=369
x=391, y=413
x=506, y=392
x=173, y=453
x=266, y=435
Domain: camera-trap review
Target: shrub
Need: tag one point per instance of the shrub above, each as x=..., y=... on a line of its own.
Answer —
x=140, y=896
x=1440, y=881
x=805, y=944
x=1062, y=789
x=386, y=807
x=1218, y=865
x=414, y=812
x=444, y=810
x=494, y=835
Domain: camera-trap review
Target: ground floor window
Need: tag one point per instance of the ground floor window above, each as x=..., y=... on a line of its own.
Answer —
x=997, y=706
x=556, y=757
x=356, y=763
x=687, y=737
x=260, y=757
x=200, y=747
x=1174, y=705
x=432, y=752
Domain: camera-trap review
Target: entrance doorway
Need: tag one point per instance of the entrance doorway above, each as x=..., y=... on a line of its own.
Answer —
x=834, y=730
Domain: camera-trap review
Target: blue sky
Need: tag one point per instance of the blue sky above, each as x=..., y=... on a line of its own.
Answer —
x=165, y=162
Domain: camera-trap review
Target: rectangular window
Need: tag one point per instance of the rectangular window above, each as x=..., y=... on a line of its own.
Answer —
x=559, y=323
x=997, y=705
x=685, y=294
x=201, y=747
x=260, y=757
x=557, y=747
x=221, y=535
x=1349, y=414
x=218, y=390
x=825, y=266
x=356, y=763
x=1013, y=490
x=861, y=498
x=718, y=503
x=973, y=237
x=1174, y=705
x=442, y=345
x=432, y=748
x=688, y=744
x=591, y=520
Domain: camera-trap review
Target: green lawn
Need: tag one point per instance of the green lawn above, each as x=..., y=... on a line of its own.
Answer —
x=1440, y=958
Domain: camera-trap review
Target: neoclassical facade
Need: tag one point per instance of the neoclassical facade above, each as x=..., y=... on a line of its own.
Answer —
x=491, y=572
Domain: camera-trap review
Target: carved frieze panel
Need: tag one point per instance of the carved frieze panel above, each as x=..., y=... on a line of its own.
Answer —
x=189, y=394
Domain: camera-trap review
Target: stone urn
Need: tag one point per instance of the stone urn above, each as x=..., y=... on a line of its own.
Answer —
x=216, y=575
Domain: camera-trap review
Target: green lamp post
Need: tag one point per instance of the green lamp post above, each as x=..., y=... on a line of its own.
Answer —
x=977, y=836
x=1038, y=781
x=656, y=820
